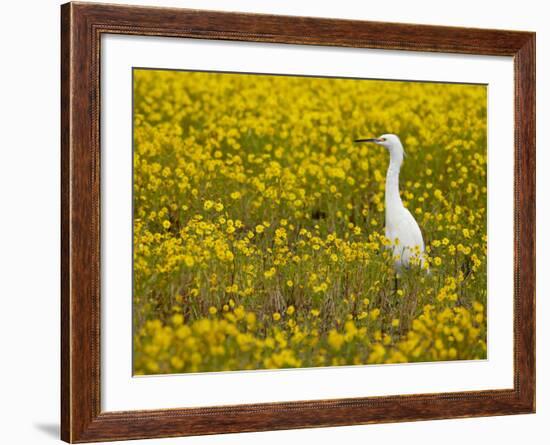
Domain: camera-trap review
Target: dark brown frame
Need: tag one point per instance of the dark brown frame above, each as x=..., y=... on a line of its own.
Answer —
x=82, y=25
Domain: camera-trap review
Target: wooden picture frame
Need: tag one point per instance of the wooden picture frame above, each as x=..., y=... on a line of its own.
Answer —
x=82, y=25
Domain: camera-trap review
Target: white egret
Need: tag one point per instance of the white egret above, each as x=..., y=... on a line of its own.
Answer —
x=401, y=227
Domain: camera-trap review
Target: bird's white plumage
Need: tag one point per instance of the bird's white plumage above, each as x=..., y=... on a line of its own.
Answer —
x=401, y=227
x=403, y=231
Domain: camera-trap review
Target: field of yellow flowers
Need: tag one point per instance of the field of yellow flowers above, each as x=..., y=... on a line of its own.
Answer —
x=258, y=223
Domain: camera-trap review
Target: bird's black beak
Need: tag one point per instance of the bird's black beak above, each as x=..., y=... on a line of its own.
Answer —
x=367, y=140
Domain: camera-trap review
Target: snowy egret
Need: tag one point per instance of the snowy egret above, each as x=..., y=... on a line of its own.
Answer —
x=401, y=227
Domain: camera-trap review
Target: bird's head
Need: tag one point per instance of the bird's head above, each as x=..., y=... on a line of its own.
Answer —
x=391, y=142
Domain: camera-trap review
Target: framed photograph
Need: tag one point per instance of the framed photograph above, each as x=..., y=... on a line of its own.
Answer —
x=275, y=222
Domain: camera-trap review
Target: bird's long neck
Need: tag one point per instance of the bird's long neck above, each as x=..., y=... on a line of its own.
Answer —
x=393, y=199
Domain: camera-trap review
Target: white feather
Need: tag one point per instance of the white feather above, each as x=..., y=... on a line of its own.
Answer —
x=401, y=227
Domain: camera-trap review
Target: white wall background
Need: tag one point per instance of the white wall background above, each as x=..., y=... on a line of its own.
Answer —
x=29, y=219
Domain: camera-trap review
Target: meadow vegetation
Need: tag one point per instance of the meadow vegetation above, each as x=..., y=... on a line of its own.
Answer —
x=258, y=223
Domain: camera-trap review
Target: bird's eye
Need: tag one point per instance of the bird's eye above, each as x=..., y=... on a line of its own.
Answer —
x=383, y=139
